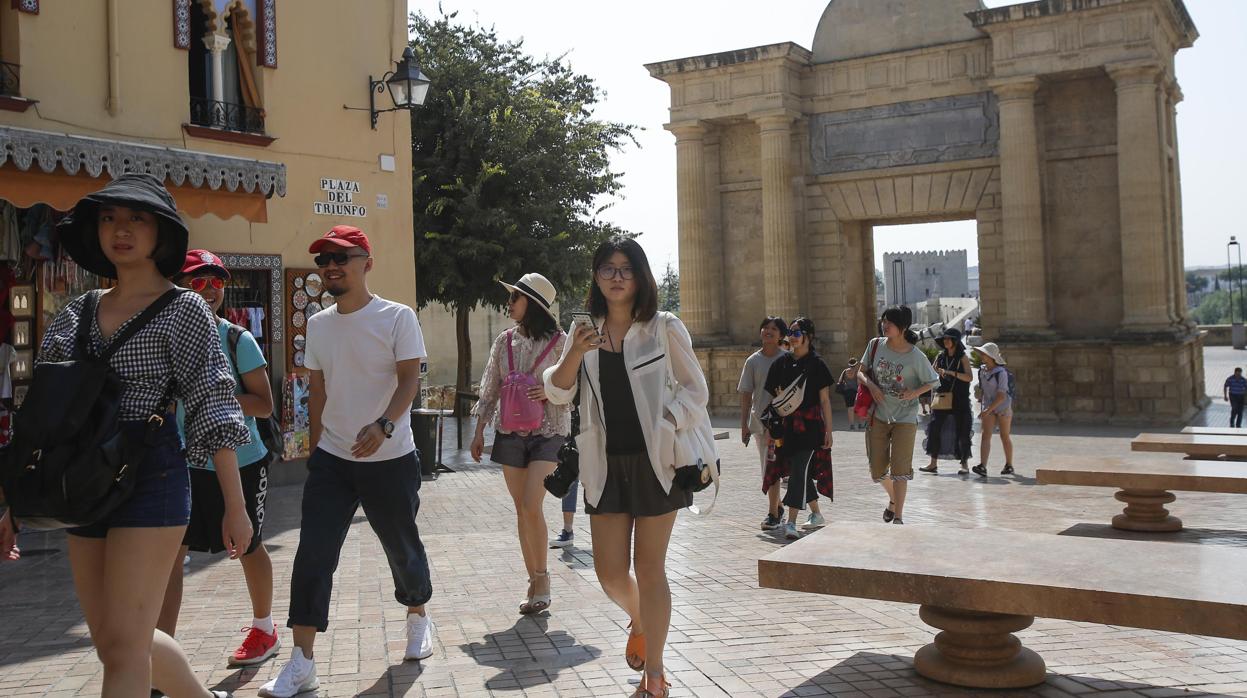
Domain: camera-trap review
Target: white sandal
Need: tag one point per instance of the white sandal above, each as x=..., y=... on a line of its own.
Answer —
x=536, y=603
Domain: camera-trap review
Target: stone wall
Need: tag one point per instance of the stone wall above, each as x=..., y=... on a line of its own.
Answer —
x=722, y=366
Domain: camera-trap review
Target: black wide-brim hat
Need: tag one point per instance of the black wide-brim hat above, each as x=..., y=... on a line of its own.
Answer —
x=138, y=190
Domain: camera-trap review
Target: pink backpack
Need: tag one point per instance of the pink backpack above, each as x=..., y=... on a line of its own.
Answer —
x=520, y=413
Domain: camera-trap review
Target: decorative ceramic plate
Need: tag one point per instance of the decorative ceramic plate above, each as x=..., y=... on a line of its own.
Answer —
x=298, y=282
x=298, y=359
x=297, y=318
x=327, y=300
x=313, y=308
x=300, y=342
x=314, y=285
x=299, y=300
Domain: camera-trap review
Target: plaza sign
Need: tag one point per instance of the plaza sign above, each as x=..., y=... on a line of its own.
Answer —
x=339, y=199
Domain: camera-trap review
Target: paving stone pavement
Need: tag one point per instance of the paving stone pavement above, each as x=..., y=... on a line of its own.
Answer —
x=729, y=638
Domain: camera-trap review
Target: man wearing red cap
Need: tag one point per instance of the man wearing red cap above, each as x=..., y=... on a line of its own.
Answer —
x=364, y=355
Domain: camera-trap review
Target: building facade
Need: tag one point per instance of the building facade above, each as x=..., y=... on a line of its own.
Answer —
x=238, y=105
x=910, y=111
x=913, y=277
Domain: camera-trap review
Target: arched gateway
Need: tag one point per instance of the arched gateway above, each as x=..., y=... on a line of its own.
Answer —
x=1049, y=123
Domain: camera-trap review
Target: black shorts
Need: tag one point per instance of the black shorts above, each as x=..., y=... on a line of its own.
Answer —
x=203, y=534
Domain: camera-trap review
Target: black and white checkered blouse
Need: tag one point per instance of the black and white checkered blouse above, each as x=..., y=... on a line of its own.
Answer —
x=176, y=356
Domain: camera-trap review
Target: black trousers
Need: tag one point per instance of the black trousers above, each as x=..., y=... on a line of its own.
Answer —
x=335, y=488
x=801, y=486
x=964, y=418
x=1236, y=410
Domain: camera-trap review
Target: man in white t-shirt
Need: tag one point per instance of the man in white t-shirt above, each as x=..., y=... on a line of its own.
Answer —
x=364, y=355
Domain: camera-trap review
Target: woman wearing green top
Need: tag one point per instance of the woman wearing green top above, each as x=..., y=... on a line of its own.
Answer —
x=896, y=373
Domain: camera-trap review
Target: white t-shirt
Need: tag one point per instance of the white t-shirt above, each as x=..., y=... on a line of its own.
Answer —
x=357, y=353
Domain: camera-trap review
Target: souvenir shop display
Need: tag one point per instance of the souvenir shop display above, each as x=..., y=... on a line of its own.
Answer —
x=305, y=297
x=21, y=333
x=296, y=417
x=21, y=301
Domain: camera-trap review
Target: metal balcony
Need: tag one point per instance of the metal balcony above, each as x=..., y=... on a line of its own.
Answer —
x=226, y=116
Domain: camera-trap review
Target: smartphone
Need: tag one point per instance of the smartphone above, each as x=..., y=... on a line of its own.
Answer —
x=580, y=318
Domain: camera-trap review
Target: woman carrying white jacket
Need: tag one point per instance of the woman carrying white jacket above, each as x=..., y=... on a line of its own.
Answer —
x=629, y=420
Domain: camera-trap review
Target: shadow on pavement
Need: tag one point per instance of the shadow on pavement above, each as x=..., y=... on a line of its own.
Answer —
x=396, y=681
x=1199, y=536
x=541, y=654
x=863, y=673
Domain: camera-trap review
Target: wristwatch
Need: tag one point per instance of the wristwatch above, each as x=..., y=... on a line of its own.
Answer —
x=387, y=427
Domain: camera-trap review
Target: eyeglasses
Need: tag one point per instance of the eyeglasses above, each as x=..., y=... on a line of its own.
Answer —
x=606, y=272
x=796, y=334
x=341, y=259
x=199, y=283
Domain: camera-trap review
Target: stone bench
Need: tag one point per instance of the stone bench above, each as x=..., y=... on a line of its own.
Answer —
x=1216, y=431
x=978, y=586
x=1145, y=485
x=1192, y=445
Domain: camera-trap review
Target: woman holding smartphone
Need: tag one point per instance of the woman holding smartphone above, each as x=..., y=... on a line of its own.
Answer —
x=629, y=421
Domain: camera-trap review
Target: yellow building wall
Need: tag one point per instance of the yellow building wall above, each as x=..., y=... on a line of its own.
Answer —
x=326, y=51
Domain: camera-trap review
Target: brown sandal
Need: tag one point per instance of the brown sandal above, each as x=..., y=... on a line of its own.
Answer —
x=645, y=691
x=634, y=653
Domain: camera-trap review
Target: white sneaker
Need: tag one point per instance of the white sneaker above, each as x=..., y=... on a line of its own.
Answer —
x=790, y=532
x=419, y=637
x=298, y=676
x=815, y=521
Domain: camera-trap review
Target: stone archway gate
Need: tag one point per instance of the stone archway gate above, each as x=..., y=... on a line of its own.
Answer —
x=1050, y=123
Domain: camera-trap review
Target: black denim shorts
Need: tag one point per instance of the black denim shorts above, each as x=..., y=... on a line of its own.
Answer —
x=518, y=451
x=162, y=487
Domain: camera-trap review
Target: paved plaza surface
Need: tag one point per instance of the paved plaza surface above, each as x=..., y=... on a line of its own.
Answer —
x=728, y=637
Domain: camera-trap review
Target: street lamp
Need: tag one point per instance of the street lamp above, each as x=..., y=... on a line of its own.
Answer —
x=408, y=88
x=1238, y=336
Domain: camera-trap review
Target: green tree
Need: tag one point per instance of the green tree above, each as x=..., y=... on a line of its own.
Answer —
x=669, y=290
x=1195, y=282
x=510, y=169
x=1214, y=309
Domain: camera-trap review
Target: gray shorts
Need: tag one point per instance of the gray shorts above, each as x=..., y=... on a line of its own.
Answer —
x=518, y=451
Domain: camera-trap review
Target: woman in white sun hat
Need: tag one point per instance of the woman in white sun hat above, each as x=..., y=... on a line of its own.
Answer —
x=529, y=429
x=996, y=384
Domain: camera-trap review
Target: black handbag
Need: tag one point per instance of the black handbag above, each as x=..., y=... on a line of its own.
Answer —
x=559, y=482
x=69, y=463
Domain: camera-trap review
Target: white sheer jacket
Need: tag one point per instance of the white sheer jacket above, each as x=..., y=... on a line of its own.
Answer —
x=647, y=375
x=557, y=420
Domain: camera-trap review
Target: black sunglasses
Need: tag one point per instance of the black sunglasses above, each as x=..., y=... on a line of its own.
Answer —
x=341, y=259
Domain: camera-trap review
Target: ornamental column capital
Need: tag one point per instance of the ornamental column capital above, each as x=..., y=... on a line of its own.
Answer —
x=1134, y=73
x=216, y=42
x=779, y=120
x=1011, y=89
x=694, y=130
x=1174, y=90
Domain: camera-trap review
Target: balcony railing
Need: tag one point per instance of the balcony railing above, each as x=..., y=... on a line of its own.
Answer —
x=10, y=80
x=226, y=116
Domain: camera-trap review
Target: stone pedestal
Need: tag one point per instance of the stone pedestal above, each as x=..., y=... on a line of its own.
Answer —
x=1145, y=511
x=978, y=650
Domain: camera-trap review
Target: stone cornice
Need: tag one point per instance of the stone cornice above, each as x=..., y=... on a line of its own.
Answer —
x=51, y=151
x=785, y=51
x=987, y=19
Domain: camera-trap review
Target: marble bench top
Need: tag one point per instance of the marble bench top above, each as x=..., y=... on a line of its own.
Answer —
x=1216, y=431
x=1143, y=584
x=1184, y=475
x=1192, y=444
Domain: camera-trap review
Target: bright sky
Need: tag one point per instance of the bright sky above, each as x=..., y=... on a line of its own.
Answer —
x=613, y=41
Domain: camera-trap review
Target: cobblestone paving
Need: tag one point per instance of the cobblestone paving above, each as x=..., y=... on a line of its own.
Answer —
x=729, y=638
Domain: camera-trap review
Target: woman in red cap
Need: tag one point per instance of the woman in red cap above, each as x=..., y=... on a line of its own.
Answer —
x=204, y=274
x=130, y=231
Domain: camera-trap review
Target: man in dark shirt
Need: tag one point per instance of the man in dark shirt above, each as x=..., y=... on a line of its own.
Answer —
x=1235, y=390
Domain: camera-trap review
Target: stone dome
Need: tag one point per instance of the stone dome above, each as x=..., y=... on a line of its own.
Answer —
x=856, y=28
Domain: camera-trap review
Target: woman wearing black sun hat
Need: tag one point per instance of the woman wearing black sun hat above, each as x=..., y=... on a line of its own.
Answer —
x=130, y=231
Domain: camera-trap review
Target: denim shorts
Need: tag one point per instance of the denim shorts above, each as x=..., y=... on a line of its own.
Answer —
x=518, y=451
x=162, y=489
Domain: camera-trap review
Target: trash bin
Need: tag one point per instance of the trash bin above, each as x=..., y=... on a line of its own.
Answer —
x=424, y=429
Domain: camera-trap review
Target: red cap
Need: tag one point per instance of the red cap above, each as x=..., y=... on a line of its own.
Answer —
x=342, y=236
x=203, y=260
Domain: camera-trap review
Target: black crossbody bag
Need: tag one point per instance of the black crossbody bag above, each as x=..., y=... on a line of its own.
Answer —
x=69, y=463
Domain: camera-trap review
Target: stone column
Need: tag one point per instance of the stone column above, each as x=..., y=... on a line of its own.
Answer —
x=779, y=224
x=697, y=270
x=1025, y=267
x=1141, y=190
x=216, y=44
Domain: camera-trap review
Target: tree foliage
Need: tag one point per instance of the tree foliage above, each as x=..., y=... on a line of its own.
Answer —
x=509, y=169
x=669, y=290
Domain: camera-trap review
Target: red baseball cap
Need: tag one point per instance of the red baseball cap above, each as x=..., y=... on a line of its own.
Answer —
x=203, y=260
x=342, y=236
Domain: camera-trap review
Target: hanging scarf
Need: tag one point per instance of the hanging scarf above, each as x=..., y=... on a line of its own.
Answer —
x=821, y=471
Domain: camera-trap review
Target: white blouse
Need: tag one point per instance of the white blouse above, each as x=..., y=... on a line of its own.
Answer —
x=647, y=375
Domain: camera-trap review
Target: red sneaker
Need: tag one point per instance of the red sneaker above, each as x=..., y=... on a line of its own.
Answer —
x=255, y=648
